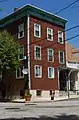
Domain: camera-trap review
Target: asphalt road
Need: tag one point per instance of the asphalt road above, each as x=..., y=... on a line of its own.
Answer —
x=59, y=110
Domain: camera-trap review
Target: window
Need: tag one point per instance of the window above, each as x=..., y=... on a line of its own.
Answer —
x=19, y=73
x=37, y=30
x=50, y=55
x=38, y=93
x=51, y=73
x=60, y=37
x=50, y=34
x=61, y=57
x=38, y=71
x=21, y=31
x=37, y=52
x=21, y=55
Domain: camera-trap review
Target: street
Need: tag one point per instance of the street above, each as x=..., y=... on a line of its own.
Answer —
x=55, y=110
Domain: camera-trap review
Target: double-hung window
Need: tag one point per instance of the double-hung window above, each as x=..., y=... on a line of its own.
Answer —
x=37, y=30
x=61, y=57
x=60, y=37
x=50, y=34
x=19, y=73
x=51, y=73
x=38, y=71
x=21, y=31
x=21, y=53
x=37, y=52
x=50, y=55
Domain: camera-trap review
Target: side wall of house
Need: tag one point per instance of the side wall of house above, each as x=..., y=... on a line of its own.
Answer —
x=15, y=85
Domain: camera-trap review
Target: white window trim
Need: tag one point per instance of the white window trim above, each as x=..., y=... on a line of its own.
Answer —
x=23, y=53
x=39, y=30
x=35, y=52
x=53, y=73
x=40, y=71
x=20, y=76
x=62, y=37
x=51, y=34
x=52, y=54
x=63, y=57
x=19, y=33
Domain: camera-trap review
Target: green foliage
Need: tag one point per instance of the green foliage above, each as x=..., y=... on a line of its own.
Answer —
x=8, y=52
x=27, y=93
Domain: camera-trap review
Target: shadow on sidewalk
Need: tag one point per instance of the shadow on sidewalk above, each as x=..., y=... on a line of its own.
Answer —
x=62, y=117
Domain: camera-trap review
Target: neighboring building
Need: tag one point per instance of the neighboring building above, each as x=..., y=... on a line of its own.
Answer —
x=72, y=62
x=41, y=37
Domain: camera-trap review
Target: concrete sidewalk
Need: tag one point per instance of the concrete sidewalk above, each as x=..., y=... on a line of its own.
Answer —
x=60, y=98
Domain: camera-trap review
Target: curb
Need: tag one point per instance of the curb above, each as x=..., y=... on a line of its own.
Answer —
x=31, y=102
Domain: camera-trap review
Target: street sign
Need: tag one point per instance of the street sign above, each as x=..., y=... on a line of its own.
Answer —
x=25, y=71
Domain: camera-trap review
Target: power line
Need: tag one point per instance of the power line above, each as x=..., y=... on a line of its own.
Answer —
x=57, y=43
x=48, y=46
x=71, y=28
x=67, y=6
x=60, y=10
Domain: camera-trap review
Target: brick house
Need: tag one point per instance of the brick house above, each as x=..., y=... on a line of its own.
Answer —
x=41, y=37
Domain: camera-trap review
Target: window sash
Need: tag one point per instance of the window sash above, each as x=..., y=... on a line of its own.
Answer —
x=37, y=30
x=38, y=71
x=37, y=52
x=21, y=31
x=61, y=56
x=21, y=55
x=50, y=55
x=51, y=73
x=50, y=34
x=60, y=37
x=19, y=73
x=21, y=27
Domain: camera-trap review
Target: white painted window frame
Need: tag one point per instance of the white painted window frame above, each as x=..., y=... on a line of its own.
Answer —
x=40, y=76
x=35, y=52
x=53, y=73
x=52, y=54
x=39, y=30
x=20, y=77
x=20, y=31
x=51, y=34
x=59, y=31
x=63, y=57
x=23, y=53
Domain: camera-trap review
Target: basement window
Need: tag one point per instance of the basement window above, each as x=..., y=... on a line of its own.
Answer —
x=38, y=93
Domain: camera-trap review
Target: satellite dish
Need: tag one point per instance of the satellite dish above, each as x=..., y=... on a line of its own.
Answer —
x=25, y=71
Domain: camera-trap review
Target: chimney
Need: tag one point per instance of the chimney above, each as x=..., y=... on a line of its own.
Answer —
x=16, y=9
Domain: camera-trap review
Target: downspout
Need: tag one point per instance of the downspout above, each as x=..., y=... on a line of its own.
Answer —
x=28, y=50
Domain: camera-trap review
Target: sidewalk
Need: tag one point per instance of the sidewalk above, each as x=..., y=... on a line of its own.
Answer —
x=38, y=100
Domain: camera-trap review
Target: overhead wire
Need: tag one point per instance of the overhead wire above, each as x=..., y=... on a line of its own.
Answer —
x=67, y=6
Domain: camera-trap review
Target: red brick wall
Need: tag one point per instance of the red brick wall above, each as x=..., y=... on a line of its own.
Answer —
x=17, y=84
x=44, y=83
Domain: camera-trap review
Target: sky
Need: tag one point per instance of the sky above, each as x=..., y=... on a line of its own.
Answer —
x=71, y=13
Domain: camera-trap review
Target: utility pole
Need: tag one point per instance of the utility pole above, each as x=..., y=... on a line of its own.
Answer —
x=68, y=80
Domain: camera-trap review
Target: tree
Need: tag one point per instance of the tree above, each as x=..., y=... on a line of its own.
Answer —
x=9, y=51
